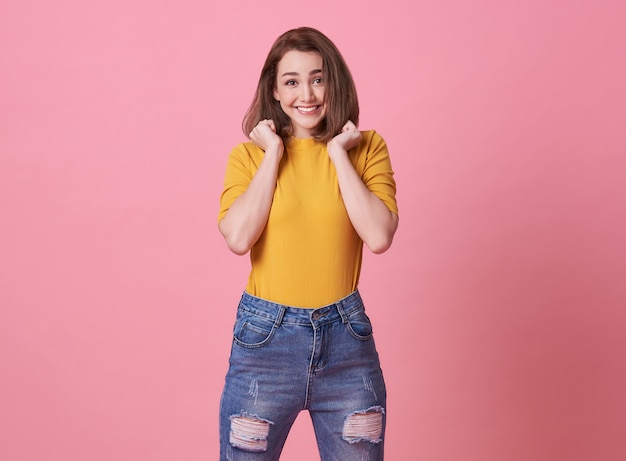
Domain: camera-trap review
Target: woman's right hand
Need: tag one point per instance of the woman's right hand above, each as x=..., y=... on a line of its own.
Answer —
x=264, y=135
x=246, y=219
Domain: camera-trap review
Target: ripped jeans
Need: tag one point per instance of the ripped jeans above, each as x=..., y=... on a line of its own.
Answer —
x=285, y=360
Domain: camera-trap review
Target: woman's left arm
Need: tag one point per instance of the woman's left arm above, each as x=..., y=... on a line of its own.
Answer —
x=372, y=220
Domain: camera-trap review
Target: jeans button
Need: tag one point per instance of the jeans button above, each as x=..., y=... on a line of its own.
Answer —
x=316, y=315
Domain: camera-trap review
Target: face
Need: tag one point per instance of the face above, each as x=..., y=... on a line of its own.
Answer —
x=300, y=90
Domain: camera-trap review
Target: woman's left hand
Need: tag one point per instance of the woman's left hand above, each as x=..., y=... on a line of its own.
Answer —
x=349, y=137
x=370, y=217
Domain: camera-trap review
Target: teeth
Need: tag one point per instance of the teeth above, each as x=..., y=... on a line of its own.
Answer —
x=307, y=109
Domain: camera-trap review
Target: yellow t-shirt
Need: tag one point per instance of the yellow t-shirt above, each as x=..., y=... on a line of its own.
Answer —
x=309, y=255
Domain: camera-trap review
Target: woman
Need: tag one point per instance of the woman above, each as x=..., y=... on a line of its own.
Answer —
x=302, y=197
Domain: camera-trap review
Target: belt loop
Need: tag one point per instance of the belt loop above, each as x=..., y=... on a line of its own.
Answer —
x=279, y=316
x=344, y=318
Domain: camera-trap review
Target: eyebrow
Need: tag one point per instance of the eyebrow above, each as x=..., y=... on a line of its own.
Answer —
x=313, y=72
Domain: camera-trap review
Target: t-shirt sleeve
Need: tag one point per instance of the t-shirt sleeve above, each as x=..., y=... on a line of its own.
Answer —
x=240, y=169
x=377, y=173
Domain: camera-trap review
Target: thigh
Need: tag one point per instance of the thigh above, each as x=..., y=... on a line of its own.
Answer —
x=352, y=427
x=348, y=404
x=263, y=392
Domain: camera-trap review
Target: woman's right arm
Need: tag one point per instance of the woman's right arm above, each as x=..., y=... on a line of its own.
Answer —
x=245, y=220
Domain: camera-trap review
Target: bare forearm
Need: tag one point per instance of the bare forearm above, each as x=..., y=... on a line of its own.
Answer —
x=371, y=218
x=246, y=219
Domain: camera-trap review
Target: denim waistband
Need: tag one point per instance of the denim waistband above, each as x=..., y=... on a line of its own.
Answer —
x=280, y=313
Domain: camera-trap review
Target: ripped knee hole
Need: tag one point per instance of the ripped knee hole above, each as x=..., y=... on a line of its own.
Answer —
x=249, y=432
x=365, y=425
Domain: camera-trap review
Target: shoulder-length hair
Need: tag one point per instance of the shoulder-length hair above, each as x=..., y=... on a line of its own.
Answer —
x=340, y=95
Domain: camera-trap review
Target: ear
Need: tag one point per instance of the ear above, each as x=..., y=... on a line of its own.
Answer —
x=276, y=94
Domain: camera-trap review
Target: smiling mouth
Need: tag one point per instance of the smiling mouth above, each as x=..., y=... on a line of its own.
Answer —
x=308, y=109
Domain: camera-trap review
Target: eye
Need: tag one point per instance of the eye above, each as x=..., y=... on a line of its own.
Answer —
x=318, y=81
x=291, y=83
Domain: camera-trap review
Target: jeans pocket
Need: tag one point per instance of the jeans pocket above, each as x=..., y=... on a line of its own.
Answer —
x=251, y=331
x=359, y=325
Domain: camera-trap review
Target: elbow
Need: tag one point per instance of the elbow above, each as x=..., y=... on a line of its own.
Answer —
x=380, y=245
x=238, y=244
x=381, y=241
x=238, y=249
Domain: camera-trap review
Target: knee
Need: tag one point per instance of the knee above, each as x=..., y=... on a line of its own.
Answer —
x=364, y=425
x=249, y=432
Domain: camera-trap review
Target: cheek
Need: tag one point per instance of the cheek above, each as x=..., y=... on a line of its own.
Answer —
x=283, y=106
x=284, y=98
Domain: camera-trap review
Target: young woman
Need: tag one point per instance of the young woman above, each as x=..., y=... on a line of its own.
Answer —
x=303, y=196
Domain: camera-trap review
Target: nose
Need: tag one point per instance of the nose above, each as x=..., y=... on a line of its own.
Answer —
x=306, y=93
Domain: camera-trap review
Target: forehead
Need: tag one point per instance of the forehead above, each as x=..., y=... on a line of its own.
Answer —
x=301, y=62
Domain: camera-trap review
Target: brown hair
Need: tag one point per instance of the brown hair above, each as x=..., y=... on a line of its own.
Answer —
x=340, y=93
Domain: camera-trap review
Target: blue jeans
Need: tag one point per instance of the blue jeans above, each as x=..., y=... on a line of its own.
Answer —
x=287, y=359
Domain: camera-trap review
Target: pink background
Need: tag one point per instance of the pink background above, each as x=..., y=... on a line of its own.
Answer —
x=499, y=311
